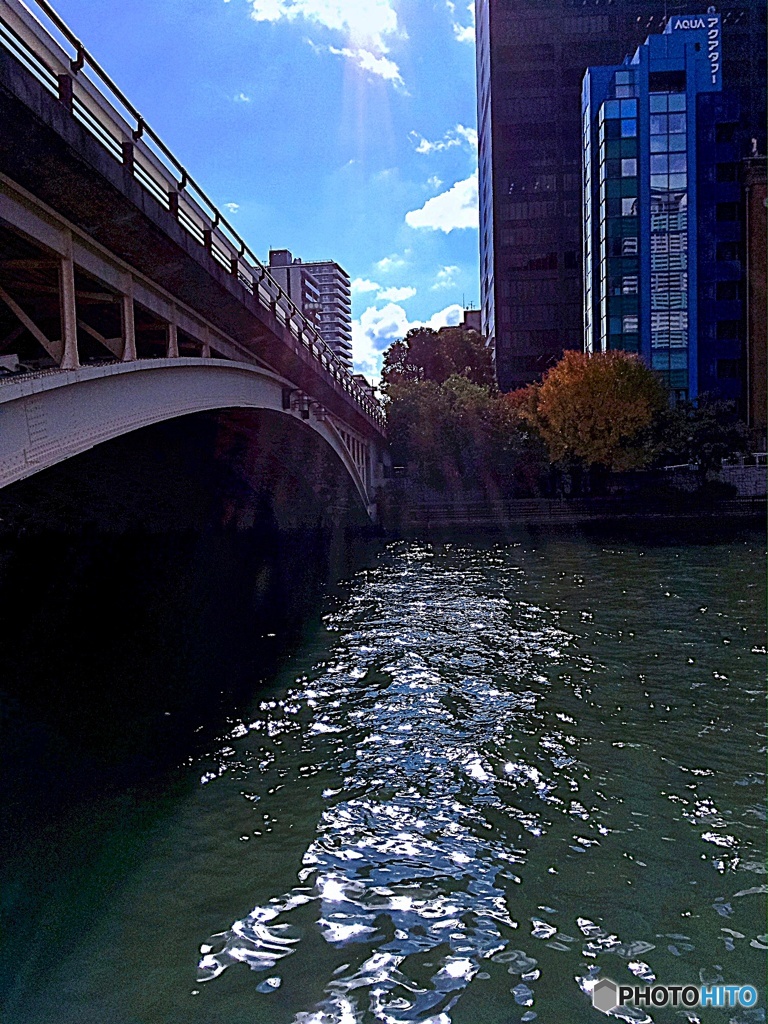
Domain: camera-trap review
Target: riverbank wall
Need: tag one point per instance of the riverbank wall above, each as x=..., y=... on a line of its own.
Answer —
x=407, y=518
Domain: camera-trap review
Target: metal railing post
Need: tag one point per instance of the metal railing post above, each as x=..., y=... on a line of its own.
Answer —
x=66, y=91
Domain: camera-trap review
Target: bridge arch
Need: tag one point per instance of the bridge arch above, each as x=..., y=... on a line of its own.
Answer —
x=46, y=419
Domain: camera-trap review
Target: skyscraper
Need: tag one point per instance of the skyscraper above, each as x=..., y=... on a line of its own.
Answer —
x=663, y=275
x=322, y=291
x=531, y=59
x=335, y=314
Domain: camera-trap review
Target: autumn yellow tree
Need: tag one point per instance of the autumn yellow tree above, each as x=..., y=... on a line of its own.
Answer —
x=596, y=410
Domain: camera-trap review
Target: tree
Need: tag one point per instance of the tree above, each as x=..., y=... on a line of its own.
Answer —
x=461, y=436
x=596, y=410
x=427, y=355
x=703, y=432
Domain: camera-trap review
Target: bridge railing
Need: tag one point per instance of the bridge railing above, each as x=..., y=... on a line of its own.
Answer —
x=55, y=56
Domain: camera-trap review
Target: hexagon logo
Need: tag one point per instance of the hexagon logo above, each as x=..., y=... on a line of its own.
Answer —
x=605, y=996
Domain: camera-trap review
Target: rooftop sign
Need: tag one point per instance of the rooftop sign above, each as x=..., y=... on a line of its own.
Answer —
x=709, y=23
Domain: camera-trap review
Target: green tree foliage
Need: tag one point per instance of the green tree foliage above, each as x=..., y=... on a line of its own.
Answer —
x=427, y=355
x=703, y=433
x=458, y=435
x=596, y=410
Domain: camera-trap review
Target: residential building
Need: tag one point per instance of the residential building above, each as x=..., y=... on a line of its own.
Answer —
x=335, y=315
x=473, y=320
x=297, y=281
x=324, y=288
x=531, y=59
x=663, y=245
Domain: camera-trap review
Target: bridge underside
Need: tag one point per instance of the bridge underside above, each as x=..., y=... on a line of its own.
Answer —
x=232, y=469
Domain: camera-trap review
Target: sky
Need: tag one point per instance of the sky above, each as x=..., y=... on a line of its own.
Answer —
x=338, y=129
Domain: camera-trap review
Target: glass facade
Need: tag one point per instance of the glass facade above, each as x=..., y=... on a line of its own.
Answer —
x=668, y=126
x=618, y=216
x=534, y=180
x=661, y=243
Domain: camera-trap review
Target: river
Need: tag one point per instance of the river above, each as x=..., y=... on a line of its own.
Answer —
x=490, y=775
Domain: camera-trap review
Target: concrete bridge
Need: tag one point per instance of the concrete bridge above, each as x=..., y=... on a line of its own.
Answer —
x=128, y=300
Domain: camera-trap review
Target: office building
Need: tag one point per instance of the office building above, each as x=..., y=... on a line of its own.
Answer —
x=756, y=239
x=531, y=60
x=663, y=271
x=322, y=291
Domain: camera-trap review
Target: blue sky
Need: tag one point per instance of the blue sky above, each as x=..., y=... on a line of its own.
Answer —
x=339, y=129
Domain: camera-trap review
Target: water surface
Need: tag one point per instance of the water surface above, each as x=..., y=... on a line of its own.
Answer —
x=494, y=774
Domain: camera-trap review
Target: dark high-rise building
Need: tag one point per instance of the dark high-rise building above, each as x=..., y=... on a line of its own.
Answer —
x=756, y=241
x=531, y=60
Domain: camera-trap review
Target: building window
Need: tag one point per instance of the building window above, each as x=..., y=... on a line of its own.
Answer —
x=725, y=132
x=571, y=260
x=629, y=325
x=727, y=330
x=727, y=251
x=629, y=246
x=629, y=207
x=727, y=291
x=629, y=168
x=667, y=81
x=628, y=129
x=728, y=369
x=726, y=172
x=660, y=164
x=727, y=211
x=629, y=284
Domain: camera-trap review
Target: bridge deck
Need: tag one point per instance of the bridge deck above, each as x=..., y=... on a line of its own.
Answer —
x=70, y=155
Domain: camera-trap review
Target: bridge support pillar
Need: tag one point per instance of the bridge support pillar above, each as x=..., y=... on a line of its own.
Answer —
x=172, y=348
x=68, y=306
x=129, y=327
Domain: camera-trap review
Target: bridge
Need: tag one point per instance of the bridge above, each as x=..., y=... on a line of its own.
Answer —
x=127, y=300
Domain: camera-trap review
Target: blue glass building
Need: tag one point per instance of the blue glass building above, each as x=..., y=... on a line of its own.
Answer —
x=662, y=210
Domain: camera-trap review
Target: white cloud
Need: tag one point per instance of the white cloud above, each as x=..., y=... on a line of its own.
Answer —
x=376, y=329
x=458, y=136
x=469, y=135
x=390, y=263
x=451, y=316
x=463, y=33
x=232, y=207
x=396, y=294
x=366, y=26
x=455, y=209
x=361, y=285
x=242, y=98
x=435, y=182
x=445, y=278
x=383, y=67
